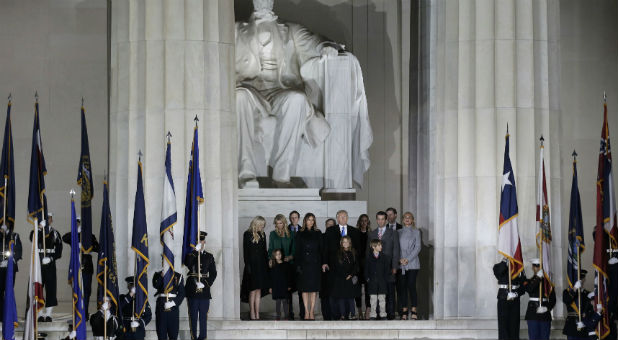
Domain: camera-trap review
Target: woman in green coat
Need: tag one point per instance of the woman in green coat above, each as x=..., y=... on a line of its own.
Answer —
x=281, y=238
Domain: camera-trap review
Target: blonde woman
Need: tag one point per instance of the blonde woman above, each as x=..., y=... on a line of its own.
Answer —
x=281, y=238
x=255, y=275
x=410, y=247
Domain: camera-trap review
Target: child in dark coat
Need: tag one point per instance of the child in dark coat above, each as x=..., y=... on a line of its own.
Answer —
x=281, y=282
x=345, y=285
x=377, y=270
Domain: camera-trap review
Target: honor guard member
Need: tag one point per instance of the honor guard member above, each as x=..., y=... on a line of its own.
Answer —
x=508, y=301
x=573, y=328
x=50, y=251
x=104, y=318
x=538, y=313
x=166, y=311
x=591, y=318
x=198, y=290
x=6, y=236
x=87, y=266
x=132, y=328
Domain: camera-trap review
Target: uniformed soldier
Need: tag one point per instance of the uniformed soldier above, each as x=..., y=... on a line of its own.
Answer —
x=104, y=318
x=591, y=318
x=87, y=266
x=167, y=305
x=6, y=236
x=538, y=313
x=574, y=329
x=50, y=250
x=508, y=301
x=198, y=290
x=612, y=307
x=132, y=328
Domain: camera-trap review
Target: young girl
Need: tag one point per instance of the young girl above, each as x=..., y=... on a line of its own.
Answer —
x=280, y=276
x=345, y=285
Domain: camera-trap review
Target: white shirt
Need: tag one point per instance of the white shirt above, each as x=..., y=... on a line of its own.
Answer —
x=343, y=229
x=381, y=231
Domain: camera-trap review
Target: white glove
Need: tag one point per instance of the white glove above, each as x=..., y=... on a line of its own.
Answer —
x=46, y=260
x=511, y=296
x=200, y=285
x=105, y=305
x=198, y=247
x=613, y=260
x=134, y=324
x=43, y=223
x=599, y=308
x=4, y=228
x=72, y=335
x=170, y=304
x=79, y=229
x=591, y=295
x=4, y=263
x=539, y=274
x=580, y=325
x=541, y=310
x=577, y=285
x=132, y=290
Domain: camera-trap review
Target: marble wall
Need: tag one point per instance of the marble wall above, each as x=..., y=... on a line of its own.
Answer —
x=58, y=48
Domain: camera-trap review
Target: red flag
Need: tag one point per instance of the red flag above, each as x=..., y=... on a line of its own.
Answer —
x=544, y=228
x=606, y=224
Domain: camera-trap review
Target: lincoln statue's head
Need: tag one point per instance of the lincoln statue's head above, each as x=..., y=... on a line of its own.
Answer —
x=263, y=5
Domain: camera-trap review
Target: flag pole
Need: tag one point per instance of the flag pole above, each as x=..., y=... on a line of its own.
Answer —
x=72, y=193
x=199, y=266
x=104, y=296
x=36, y=97
x=134, y=287
x=509, y=275
x=541, y=175
x=4, y=216
x=36, y=303
x=579, y=290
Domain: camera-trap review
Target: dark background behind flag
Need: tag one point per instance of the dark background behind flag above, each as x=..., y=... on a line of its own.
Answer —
x=139, y=245
x=193, y=198
x=107, y=252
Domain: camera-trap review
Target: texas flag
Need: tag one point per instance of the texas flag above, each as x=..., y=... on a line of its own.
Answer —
x=509, y=245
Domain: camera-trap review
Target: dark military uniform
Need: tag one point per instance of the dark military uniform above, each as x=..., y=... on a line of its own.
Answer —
x=508, y=310
x=591, y=319
x=126, y=308
x=612, y=308
x=97, y=322
x=53, y=250
x=87, y=267
x=5, y=240
x=199, y=300
x=539, y=325
x=570, y=299
x=167, y=320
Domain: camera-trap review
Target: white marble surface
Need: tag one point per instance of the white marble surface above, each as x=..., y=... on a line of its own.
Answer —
x=172, y=61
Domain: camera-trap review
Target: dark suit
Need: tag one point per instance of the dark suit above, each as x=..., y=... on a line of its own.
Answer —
x=390, y=247
x=301, y=305
x=398, y=225
x=332, y=238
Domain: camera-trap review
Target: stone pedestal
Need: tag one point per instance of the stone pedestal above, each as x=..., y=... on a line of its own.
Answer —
x=173, y=60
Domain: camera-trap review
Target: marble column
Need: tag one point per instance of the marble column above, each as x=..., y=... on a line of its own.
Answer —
x=172, y=60
x=491, y=63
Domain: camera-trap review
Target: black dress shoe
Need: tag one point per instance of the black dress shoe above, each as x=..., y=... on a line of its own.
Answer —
x=48, y=319
x=40, y=319
x=390, y=317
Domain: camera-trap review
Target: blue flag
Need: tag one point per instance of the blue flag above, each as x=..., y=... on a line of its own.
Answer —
x=7, y=168
x=84, y=179
x=194, y=197
x=37, y=200
x=168, y=220
x=139, y=244
x=9, y=309
x=576, y=231
x=75, y=280
x=106, y=264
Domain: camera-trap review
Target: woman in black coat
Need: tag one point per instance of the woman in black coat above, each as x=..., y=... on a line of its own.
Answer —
x=308, y=260
x=345, y=279
x=255, y=278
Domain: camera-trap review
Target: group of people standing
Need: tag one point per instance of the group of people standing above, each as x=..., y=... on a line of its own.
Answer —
x=342, y=265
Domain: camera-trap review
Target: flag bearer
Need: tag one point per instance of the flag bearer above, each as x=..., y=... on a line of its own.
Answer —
x=168, y=304
x=133, y=328
x=198, y=291
x=508, y=301
x=6, y=236
x=538, y=313
x=573, y=328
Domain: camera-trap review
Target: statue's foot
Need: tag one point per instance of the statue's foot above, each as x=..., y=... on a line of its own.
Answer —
x=249, y=183
x=283, y=185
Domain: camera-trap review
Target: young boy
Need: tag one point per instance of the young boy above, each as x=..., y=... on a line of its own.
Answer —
x=377, y=270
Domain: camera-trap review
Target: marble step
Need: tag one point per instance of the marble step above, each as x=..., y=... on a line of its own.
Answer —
x=270, y=329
